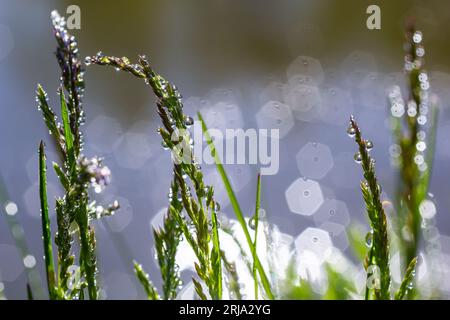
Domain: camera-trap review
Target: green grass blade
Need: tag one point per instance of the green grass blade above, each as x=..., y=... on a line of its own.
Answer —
x=237, y=209
x=61, y=176
x=406, y=285
x=256, y=221
x=46, y=232
x=29, y=292
x=68, y=136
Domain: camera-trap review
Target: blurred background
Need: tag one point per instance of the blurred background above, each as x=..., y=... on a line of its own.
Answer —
x=315, y=58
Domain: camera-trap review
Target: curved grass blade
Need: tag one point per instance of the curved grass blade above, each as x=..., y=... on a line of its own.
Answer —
x=46, y=232
x=256, y=222
x=407, y=282
x=68, y=136
x=237, y=209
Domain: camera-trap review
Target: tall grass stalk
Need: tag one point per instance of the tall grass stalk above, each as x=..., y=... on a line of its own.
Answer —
x=201, y=209
x=76, y=174
x=377, y=239
x=416, y=140
x=378, y=255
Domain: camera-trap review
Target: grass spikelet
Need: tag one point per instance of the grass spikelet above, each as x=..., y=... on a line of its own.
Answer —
x=76, y=173
x=378, y=255
x=150, y=290
x=415, y=137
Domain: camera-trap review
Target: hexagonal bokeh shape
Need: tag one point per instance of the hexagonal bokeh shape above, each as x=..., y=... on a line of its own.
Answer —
x=337, y=234
x=224, y=95
x=275, y=115
x=314, y=160
x=305, y=102
x=304, y=197
x=332, y=210
x=308, y=67
x=314, y=240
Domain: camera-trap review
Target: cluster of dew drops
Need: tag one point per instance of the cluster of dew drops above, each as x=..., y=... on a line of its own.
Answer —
x=351, y=131
x=413, y=110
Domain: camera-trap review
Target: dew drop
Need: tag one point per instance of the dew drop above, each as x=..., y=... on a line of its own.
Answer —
x=11, y=208
x=417, y=37
x=252, y=223
x=164, y=146
x=188, y=121
x=369, y=145
x=358, y=157
x=351, y=131
x=369, y=238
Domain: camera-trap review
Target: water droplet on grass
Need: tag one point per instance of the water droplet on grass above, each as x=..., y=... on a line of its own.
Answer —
x=358, y=157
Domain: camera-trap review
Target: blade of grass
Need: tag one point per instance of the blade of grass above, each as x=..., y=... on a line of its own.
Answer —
x=29, y=292
x=68, y=136
x=46, y=232
x=407, y=282
x=256, y=221
x=237, y=209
